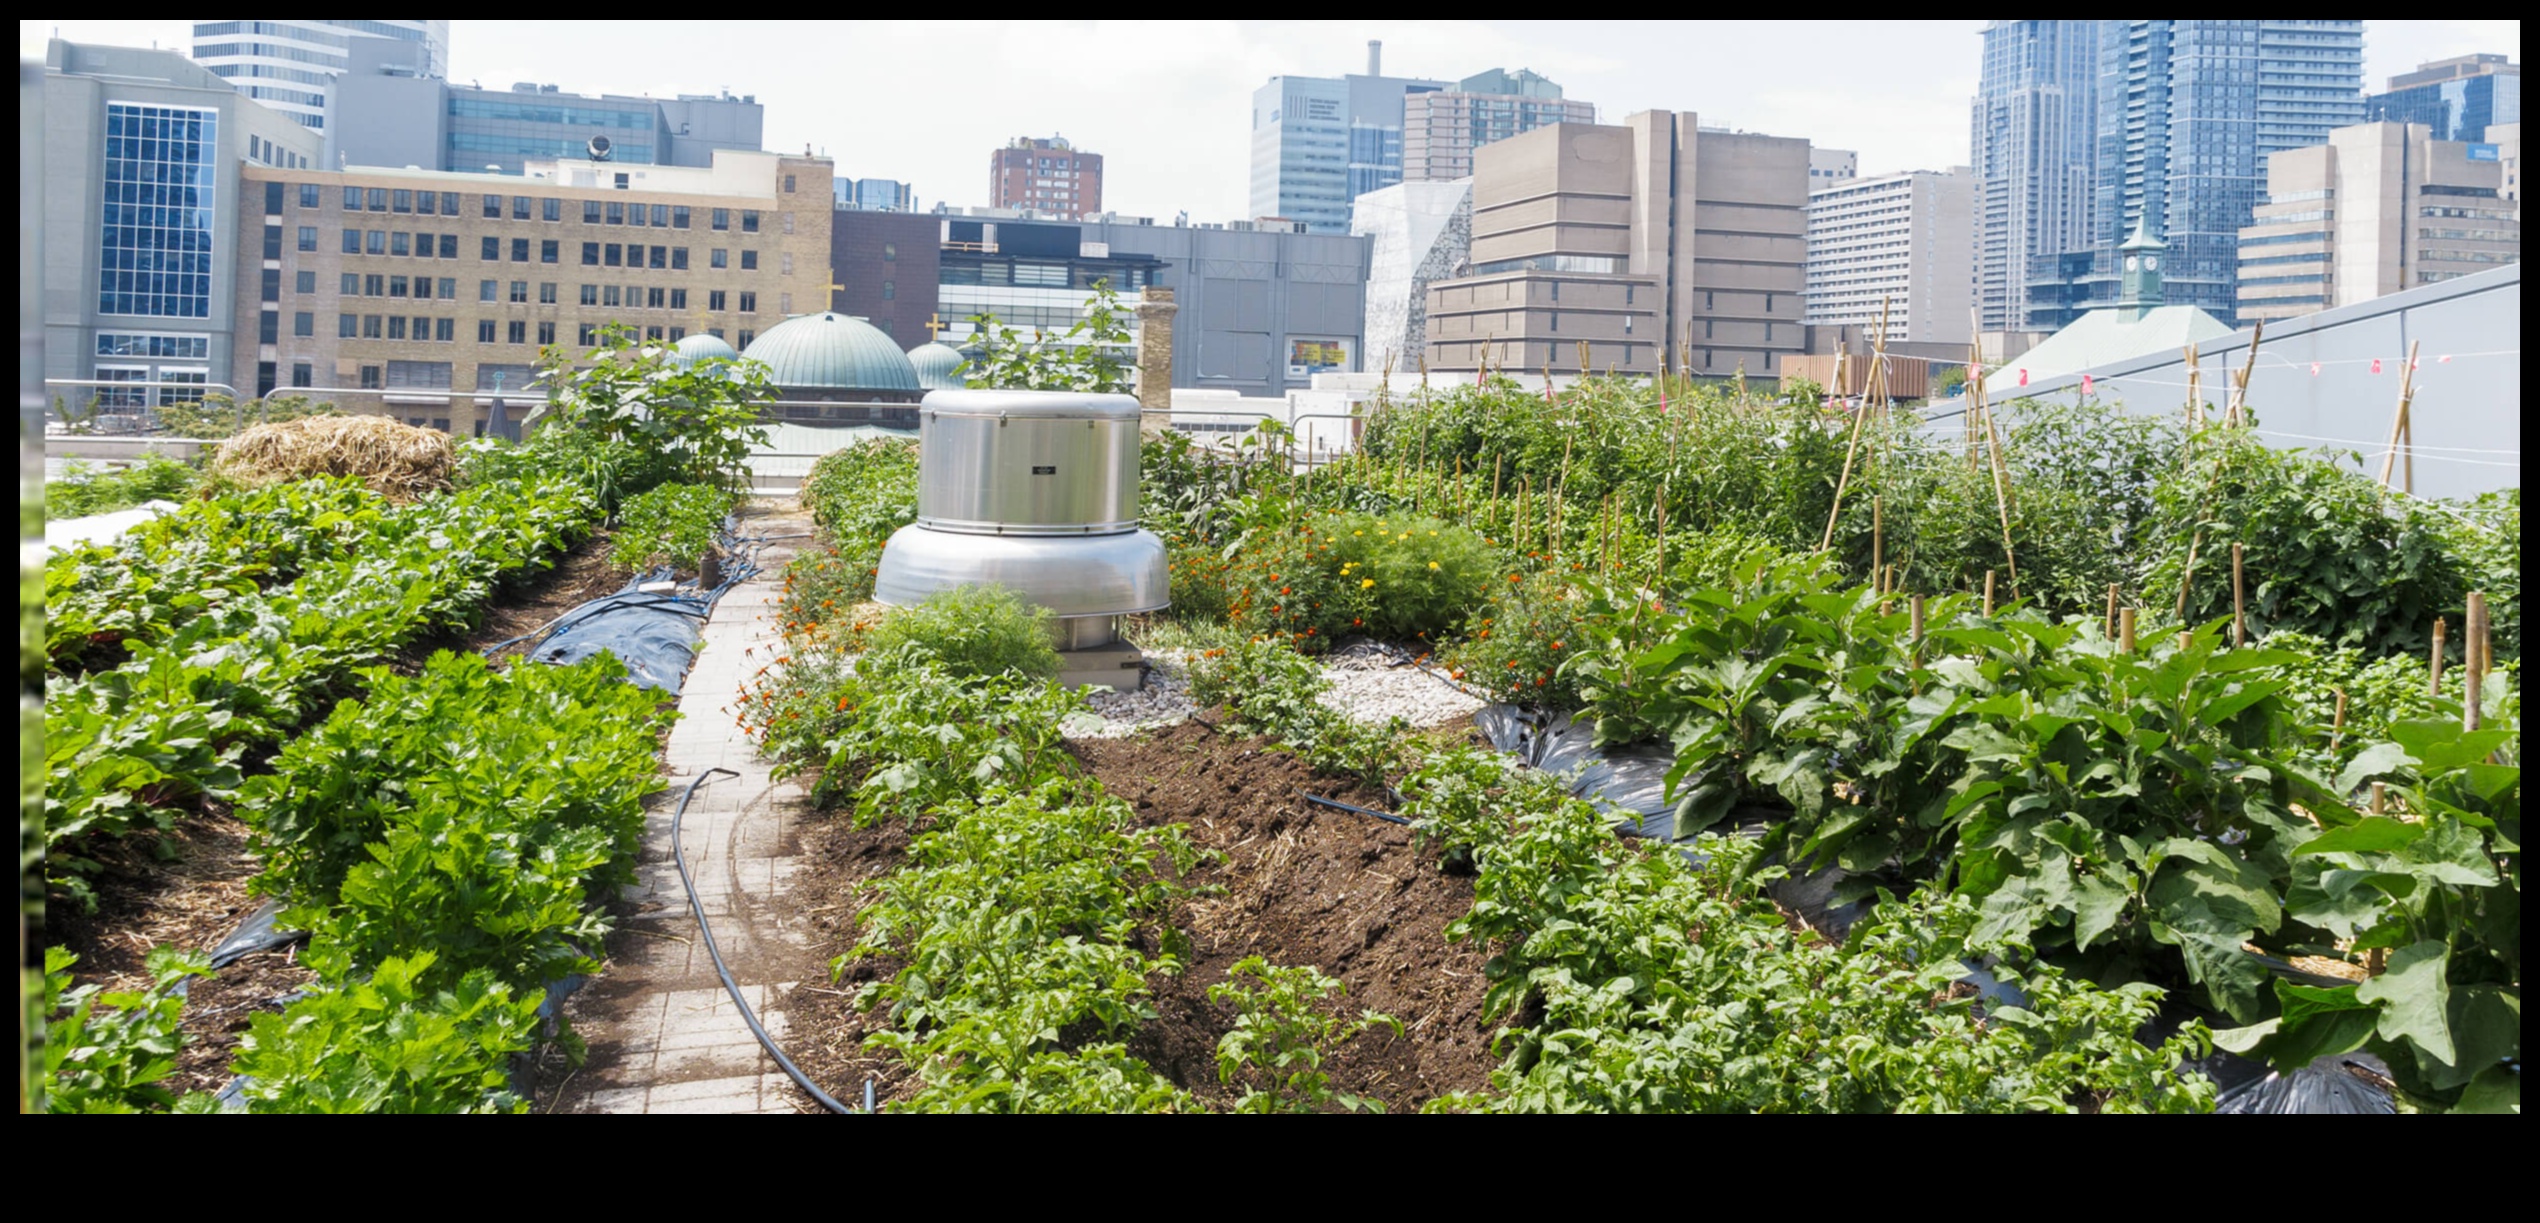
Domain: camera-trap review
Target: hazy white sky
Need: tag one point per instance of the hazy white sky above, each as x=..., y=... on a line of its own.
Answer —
x=1168, y=104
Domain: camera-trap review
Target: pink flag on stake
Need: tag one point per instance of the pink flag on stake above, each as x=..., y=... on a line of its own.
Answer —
x=2315, y=369
x=2085, y=384
x=2376, y=365
x=2023, y=377
x=2445, y=359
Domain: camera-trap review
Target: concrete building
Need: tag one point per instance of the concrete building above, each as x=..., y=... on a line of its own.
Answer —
x=1049, y=176
x=1826, y=166
x=291, y=66
x=1320, y=142
x=1902, y=244
x=1653, y=245
x=1418, y=233
x=2456, y=98
x=388, y=109
x=2379, y=208
x=440, y=289
x=885, y=267
x=145, y=257
x=2507, y=137
x=2035, y=116
x=1441, y=129
x=877, y=194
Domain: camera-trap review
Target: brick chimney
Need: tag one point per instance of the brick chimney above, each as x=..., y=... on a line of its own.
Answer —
x=1155, y=352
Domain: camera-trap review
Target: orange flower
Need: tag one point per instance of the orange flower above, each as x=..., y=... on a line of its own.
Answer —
x=1556, y=645
x=1514, y=578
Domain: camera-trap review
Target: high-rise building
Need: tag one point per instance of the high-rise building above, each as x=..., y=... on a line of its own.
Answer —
x=388, y=109
x=1440, y=130
x=439, y=289
x=1895, y=245
x=2034, y=124
x=291, y=65
x=1047, y=176
x=2379, y=208
x=1320, y=142
x=1656, y=244
x=1418, y=233
x=2454, y=98
x=145, y=253
x=877, y=195
x=1831, y=166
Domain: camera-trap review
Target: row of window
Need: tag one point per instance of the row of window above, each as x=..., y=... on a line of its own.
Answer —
x=491, y=331
x=518, y=207
x=435, y=375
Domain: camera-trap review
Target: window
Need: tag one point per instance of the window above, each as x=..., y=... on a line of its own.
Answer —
x=494, y=207
x=304, y=324
x=890, y=291
x=449, y=246
x=546, y=333
x=547, y=252
x=678, y=299
x=376, y=198
x=304, y=282
x=714, y=300
x=1768, y=308
x=590, y=212
x=677, y=334
x=590, y=295
x=423, y=246
x=661, y=216
x=442, y=329
x=749, y=261
x=449, y=288
x=489, y=290
x=749, y=301
x=347, y=325
x=723, y=218
x=659, y=257
x=485, y=331
x=370, y=377
x=308, y=195
x=520, y=292
x=679, y=216
x=586, y=334
x=890, y=252
x=786, y=221
x=617, y=212
x=516, y=331
x=591, y=254
x=374, y=285
x=424, y=375
x=352, y=199
x=396, y=326
x=718, y=258
x=679, y=258
x=520, y=250
x=308, y=237
x=652, y=333
x=747, y=335
x=267, y=323
x=351, y=285
x=396, y=286
x=653, y=298
x=401, y=243
x=352, y=242
x=375, y=242
x=273, y=199
x=785, y=263
x=442, y=423
x=490, y=249
x=546, y=293
x=520, y=208
x=403, y=200
x=551, y=209
x=612, y=255
x=449, y=203
x=785, y=304
x=302, y=374
x=611, y=295
x=1710, y=301
x=789, y=184
x=635, y=215
x=749, y=220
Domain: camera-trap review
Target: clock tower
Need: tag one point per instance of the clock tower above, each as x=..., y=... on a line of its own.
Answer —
x=2139, y=280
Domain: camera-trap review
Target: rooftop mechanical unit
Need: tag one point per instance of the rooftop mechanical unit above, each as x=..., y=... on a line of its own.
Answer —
x=1035, y=491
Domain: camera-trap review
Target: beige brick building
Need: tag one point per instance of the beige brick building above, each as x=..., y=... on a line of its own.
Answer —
x=422, y=293
x=1659, y=244
x=2379, y=208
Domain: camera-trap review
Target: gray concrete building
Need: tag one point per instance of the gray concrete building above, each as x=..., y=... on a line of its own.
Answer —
x=1441, y=129
x=143, y=195
x=388, y=108
x=1831, y=166
x=291, y=66
x=1652, y=245
x=1902, y=244
x=1319, y=142
x=2379, y=208
x=1419, y=233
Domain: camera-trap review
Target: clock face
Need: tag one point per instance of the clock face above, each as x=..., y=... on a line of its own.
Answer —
x=2151, y=263
x=2130, y=261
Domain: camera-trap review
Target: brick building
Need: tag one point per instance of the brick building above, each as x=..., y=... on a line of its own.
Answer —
x=1051, y=177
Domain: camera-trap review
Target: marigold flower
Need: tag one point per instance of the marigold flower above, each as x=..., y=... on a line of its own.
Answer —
x=1514, y=578
x=1364, y=583
x=1433, y=564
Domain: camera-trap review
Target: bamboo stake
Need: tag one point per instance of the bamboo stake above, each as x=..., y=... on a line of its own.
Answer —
x=1495, y=461
x=2125, y=630
x=1658, y=583
x=1974, y=385
x=2434, y=665
x=2337, y=725
x=2239, y=602
x=1878, y=544
x=2195, y=389
x=2112, y=611
x=1988, y=592
x=2399, y=424
x=2001, y=480
x=2238, y=416
x=2474, y=670
x=2186, y=641
x=1850, y=448
x=1914, y=607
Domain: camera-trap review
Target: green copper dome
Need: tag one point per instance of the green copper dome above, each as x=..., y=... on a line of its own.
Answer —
x=702, y=347
x=830, y=351
x=935, y=364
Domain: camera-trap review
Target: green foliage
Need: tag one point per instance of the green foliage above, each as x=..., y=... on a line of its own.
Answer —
x=971, y=631
x=1085, y=357
x=1644, y=984
x=1281, y=1035
x=1327, y=575
x=392, y=1043
x=1527, y=630
x=699, y=419
x=82, y=490
x=218, y=415
x=2486, y=535
x=922, y=736
x=106, y=1052
x=1278, y=692
x=672, y=524
x=863, y=492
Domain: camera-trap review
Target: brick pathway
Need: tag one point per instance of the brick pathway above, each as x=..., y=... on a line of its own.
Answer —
x=664, y=1036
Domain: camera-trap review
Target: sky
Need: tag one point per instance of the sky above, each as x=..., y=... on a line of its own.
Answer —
x=1168, y=104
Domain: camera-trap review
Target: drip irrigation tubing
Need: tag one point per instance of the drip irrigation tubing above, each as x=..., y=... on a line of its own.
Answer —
x=696, y=907
x=1319, y=800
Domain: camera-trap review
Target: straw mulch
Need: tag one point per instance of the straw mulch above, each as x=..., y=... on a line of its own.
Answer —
x=399, y=462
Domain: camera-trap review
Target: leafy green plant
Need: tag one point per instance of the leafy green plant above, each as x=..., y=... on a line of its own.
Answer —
x=105, y=1052
x=1085, y=357
x=1515, y=649
x=672, y=524
x=82, y=490
x=700, y=419
x=391, y=1043
x=922, y=736
x=219, y=415
x=983, y=630
x=1281, y=1036
x=1279, y=692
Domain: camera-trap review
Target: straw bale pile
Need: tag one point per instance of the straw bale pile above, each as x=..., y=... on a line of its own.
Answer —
x=399, y=462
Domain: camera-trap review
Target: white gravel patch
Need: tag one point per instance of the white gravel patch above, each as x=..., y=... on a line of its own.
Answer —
x=1369, y=683
x=1404, y=692
x=1164, y=700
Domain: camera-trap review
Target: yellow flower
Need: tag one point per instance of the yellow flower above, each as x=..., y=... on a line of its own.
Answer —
x=1358, y=532
x=1364, y=583
x=1433, y=564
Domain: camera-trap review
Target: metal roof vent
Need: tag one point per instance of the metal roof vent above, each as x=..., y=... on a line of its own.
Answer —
x=1036, y=491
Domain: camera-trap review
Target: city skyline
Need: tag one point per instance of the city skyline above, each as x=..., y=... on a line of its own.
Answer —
x=1174, y=131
